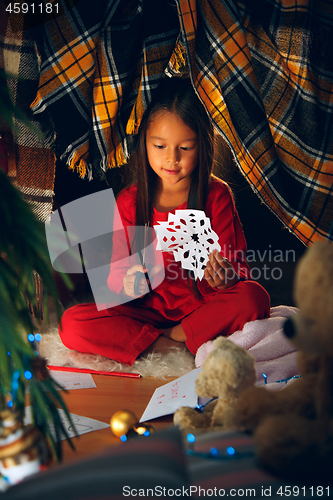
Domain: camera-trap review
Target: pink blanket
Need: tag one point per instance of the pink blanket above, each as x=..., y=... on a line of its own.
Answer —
x=274, y=354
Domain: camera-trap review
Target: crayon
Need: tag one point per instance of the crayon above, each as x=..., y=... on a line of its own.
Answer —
x=93, y=372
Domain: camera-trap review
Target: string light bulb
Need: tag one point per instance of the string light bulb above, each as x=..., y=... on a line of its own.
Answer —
x=228, y=453
x=125, y=425
x=190, y=438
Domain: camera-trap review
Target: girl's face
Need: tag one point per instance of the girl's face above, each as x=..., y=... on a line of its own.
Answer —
x=172, y=149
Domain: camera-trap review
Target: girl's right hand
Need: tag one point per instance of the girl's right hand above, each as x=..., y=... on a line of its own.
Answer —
x=129, y=280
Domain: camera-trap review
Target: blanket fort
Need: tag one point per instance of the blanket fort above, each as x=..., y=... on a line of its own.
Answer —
x=262, y=69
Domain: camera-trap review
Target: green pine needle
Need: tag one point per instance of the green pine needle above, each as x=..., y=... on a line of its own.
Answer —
x=23, y=251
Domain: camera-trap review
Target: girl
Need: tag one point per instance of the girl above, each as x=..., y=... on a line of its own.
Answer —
x=174, y=160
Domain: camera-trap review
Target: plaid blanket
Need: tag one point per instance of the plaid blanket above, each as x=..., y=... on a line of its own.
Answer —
x=262, y=68
x=31, y=159
x=99, y=69
x=264, y=71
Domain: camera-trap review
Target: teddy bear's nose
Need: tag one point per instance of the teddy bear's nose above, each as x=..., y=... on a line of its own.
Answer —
x=288, y=328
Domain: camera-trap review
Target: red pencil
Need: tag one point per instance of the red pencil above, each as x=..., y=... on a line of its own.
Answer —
x=93, y=372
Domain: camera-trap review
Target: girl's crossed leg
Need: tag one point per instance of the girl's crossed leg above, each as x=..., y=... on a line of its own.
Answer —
x=124, y=332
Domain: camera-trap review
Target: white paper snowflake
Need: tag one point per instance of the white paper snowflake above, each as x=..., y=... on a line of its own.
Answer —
x=188, y=234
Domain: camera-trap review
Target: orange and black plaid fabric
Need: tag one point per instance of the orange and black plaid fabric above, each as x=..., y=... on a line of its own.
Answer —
x=31, y=159
x=262, y=68
x=100, y=65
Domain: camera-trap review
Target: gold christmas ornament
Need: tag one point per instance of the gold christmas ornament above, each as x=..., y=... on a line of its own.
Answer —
x=122, y=421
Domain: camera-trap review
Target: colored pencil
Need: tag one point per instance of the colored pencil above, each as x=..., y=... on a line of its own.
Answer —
x=93, y=372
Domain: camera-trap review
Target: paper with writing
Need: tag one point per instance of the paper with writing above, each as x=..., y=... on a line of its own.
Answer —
x=171, y=396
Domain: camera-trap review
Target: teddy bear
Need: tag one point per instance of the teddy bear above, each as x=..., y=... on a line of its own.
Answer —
x=227, y=371
x=293, y=427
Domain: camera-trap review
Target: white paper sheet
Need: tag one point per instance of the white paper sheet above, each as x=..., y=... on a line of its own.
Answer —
x=82, y=424
x=73, y=380
x=188, y=234
x=169, y=397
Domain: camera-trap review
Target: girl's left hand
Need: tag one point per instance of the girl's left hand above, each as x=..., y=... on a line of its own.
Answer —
x=219, y=272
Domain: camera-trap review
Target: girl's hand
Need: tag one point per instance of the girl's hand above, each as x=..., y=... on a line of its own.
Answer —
x=129, y=280
x=219, y=272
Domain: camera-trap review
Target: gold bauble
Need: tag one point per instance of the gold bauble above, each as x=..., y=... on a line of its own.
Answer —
x=122, y=421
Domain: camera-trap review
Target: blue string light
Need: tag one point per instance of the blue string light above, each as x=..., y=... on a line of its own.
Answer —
x=282, y=380
x=228, y=453
x=190, y=438
x=123, y=438
x=28, y=375
x=10, y=404
x=286, y=379
x=35, y=339
x=201, y=408
x=15, y=384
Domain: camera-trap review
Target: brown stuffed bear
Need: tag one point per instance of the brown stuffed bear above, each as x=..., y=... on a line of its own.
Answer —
x=226, y=372
x=293, y=427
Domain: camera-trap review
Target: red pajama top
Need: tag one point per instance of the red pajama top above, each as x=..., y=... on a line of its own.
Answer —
x=172, y=298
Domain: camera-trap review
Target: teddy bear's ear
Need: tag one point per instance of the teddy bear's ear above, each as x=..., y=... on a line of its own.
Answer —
x=301, y=332
x=289, y=329
x=313, y=295
x=313, y=282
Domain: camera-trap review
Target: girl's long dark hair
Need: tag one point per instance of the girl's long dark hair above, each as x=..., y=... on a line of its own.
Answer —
x=175, y=95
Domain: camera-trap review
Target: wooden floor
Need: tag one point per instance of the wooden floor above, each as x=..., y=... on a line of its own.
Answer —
x=111, y=394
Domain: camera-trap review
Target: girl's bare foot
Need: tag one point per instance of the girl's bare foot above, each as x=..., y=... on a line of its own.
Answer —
x=175, y=333
x=163, y=344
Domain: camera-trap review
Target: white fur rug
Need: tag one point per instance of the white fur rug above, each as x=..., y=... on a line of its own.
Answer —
x=274, y=354
x=173, y=364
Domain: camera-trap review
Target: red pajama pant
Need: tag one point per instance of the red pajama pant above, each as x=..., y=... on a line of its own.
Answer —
x=123, y=332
